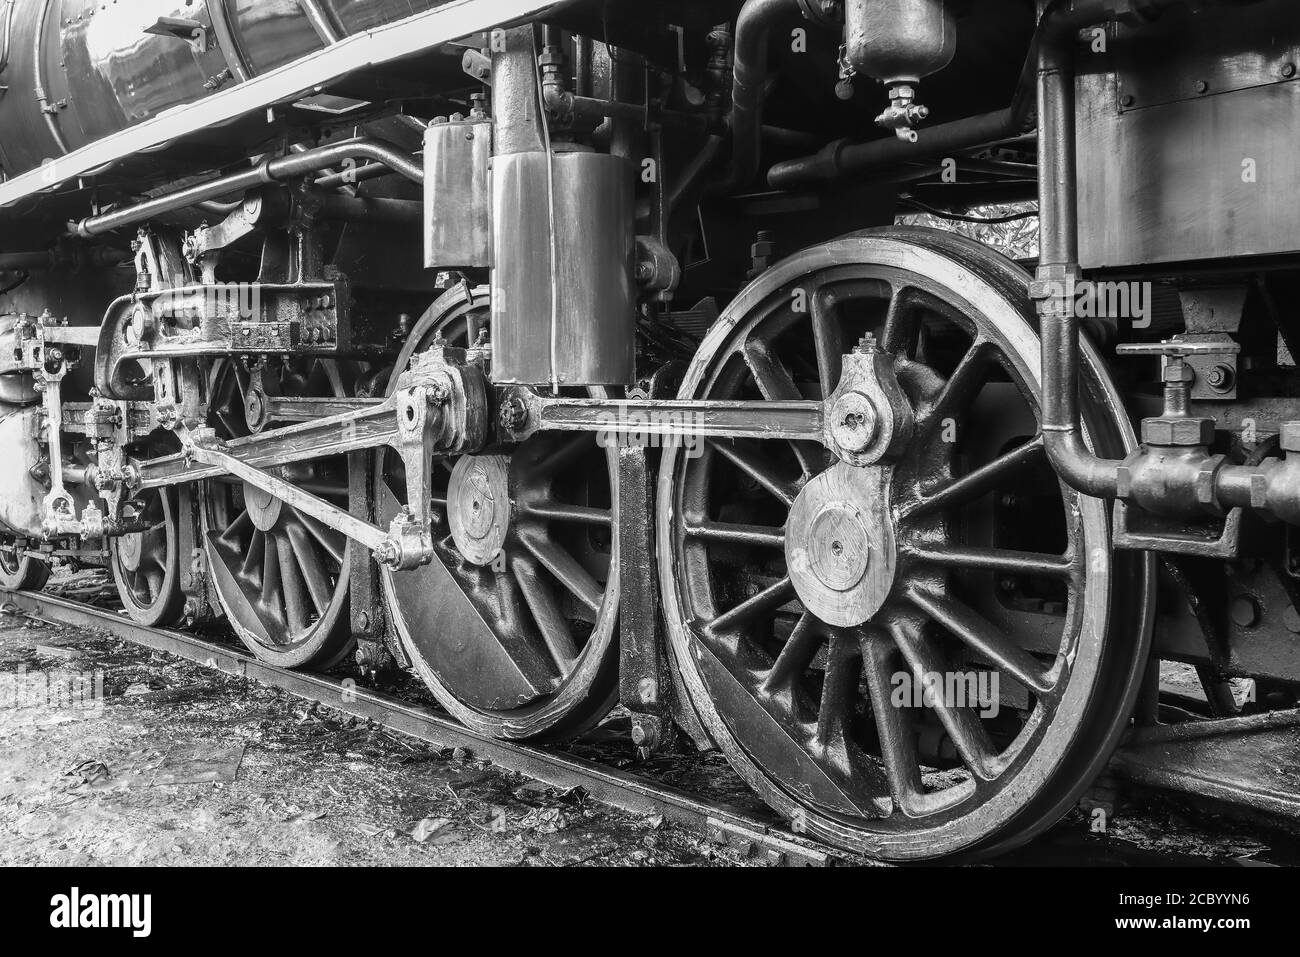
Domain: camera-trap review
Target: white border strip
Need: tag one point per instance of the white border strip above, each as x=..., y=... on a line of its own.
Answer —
x=284, y=84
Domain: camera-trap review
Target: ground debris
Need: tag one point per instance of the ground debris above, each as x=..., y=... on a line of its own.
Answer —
x=428, y=828
x=90, y=772
x=200, y=764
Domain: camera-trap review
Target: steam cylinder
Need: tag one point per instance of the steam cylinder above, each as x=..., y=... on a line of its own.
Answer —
x=899, y=41
x=594, y=253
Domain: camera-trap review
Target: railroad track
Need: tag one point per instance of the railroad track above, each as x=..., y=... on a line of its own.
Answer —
x=612, y=787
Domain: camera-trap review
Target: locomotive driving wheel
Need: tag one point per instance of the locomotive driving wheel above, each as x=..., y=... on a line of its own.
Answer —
x=930, y=657
x=512, y=626
x=21, y=573
x=146, y=563
x=281, y=575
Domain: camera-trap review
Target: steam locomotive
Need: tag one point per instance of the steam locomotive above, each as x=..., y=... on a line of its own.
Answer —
x=572, y=353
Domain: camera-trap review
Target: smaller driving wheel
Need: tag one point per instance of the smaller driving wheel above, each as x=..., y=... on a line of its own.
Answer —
x=146, y=564
x=22, y=574
x=513, y=624
x=281, y=575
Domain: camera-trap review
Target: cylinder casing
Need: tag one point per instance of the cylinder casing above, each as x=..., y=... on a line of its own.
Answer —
x=594, y=257
x=899, y=41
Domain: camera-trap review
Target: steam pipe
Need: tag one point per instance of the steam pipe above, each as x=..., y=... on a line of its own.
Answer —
x=276, y=170
x=1059, y=266
x=748, y=87
x=843, y=157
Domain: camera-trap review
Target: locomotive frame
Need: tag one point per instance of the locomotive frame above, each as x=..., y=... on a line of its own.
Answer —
x=366, y=332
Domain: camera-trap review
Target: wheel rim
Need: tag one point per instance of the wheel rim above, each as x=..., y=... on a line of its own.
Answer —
x=512, y=626
x=803, y=707
x=146, y=566
x=281, y=575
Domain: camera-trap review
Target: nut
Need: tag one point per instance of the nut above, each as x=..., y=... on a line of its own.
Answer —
x=514, y=414
x=1177, y=432
x=1177, y=372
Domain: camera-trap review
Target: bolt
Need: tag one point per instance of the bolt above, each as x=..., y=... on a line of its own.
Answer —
x=514, y=414
x=1288, y=70
x=1219, y=378
x=1245, y=611
x=363, y=622
x=866, y=346
x=1127, y=100
x=388, y=554
x=1202, y=86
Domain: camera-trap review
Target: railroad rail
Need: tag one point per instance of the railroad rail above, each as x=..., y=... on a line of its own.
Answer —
x=614, y=788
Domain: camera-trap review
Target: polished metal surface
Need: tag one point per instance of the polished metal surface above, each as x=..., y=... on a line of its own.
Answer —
x=458, y=193
x=385, y=30
x=572, y=264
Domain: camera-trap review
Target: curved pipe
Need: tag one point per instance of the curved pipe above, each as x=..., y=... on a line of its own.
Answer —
x=1076, y=465
x=749, y=87
x=271, y=171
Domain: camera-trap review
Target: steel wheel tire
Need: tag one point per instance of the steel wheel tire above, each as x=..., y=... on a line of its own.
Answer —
x=1059, y=749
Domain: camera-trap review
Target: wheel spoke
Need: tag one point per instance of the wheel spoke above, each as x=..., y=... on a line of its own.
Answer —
x=795, y=658
x=318, y=584
x=333, y=541
x=983, y=637
x=959, y=391
x=962, y=724
x=1001, y=560
x=897, y=737
x=551, y=623
x=757, y=468
x=567, y=570
x=295, y=604
x=254, y=555
x=828, y=338
x=979, y=483
x=768, y=600
x=776, y=384
x=839, y=695
x=234, y=534
x=549, y=511
x=271, y=575
x=897, y=333
x=755, y=536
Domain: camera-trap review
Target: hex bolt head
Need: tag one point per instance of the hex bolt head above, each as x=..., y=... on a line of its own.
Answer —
x=1177, y=431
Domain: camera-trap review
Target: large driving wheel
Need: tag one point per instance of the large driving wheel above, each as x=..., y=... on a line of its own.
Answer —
x=513, y=624
x=920, y=660
x=281, y=575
